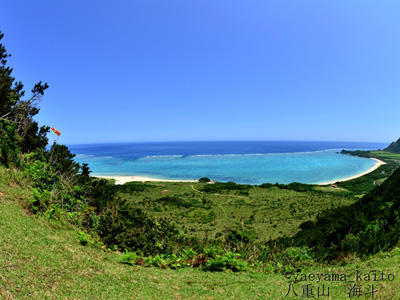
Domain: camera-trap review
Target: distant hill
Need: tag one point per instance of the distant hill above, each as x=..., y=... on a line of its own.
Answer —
x=394, y=147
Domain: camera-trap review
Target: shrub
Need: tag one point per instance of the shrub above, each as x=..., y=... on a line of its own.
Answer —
x=53, y=213
x=221, y=186
x=83, y=238
x=130, y=187
x=229, y=260
x=266, y=185
x=238, y=238
x=299, y=253
x=131, y=229
x=264, y=253
x=42, y=178
x=295, y=186
x=40, y=200
x=128, y=258
x=175, y=262
x=155, y=261
x=188, y=254
x=212, y=251
x=204, y=179
x=100, y=192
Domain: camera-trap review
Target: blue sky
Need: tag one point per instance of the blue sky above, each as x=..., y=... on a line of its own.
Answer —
x=177, y=70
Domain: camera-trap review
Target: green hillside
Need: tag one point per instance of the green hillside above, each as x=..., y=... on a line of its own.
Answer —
x=367, y=226
x=394, y=147
x=44, y=259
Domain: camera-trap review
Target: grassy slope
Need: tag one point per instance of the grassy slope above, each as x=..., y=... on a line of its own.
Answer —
x=385, y=154
x=39, y=260
x=268, y=212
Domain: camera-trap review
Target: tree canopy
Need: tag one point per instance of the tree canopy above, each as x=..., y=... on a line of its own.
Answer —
x=18, y=111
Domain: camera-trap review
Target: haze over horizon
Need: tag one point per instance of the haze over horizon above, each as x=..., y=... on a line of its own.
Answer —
x=257, y=70
x=382, y=144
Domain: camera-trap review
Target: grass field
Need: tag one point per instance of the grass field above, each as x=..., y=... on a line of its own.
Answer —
x=267, y=213
x=385, y=154
x=40, y=259
x=380, y=154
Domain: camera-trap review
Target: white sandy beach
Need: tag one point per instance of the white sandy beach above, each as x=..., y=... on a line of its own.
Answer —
x=373, y=168
x=124, y=179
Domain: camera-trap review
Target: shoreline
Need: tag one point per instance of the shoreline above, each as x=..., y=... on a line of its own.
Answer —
x=122, y=179
x=373, y=168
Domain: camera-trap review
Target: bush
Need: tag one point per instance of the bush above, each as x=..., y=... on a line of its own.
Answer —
x=294, y=186
x=204, y=179
x=83, y=238
x=266, y=185
x=129, y=258
x=131, y=229
x=100, y=192
x=53, y=213
x=42, y=178
x=40, y=200
x=188, y=254
x=238, y=238
x=299, y=253
x=229, y=260
x=212, y=251
x=178, y=202
x=155, y=261
x=130, y=187
x=221, y=186
x=175, y=262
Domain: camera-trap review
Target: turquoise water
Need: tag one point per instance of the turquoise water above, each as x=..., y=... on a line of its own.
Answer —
x=252, y=168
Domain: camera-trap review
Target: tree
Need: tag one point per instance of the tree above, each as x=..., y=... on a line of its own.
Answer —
x=19, y=111
x=61, y=160
x=8, y=144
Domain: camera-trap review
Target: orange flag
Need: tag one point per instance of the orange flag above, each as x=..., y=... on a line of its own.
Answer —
x=58, y=133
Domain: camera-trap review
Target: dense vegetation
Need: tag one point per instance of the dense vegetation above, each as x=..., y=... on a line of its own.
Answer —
x=361, y=185
x=369, y=225
x=42, y=259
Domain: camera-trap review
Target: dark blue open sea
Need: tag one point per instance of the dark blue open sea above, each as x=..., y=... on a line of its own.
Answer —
x=242, y=162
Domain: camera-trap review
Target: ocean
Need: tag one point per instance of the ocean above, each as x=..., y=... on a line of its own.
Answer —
x=242, y=162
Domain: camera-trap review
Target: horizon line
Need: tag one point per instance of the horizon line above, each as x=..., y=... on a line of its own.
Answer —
x=216, y=141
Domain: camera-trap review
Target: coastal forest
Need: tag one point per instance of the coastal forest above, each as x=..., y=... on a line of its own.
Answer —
x=67, y=234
